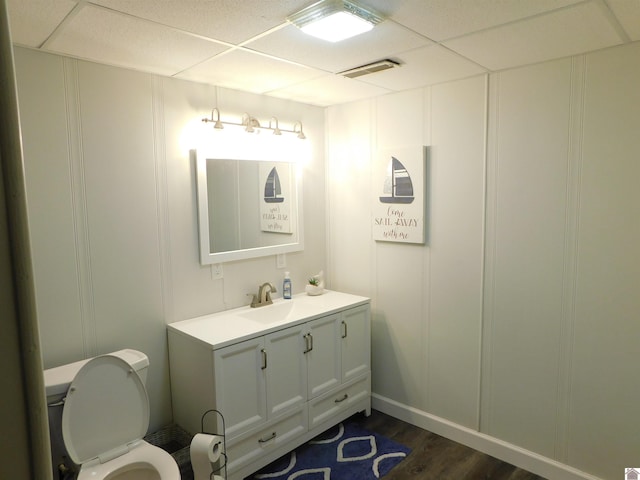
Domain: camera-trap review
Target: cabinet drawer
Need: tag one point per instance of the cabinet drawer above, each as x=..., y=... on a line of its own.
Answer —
x=252, y=445
x=323, y=408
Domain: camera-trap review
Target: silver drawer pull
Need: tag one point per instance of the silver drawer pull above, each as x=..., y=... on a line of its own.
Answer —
x=308, y=343
x=340, y=400
x=265, y=440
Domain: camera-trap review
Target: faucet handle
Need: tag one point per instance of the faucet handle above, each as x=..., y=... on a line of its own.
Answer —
x=254, y=299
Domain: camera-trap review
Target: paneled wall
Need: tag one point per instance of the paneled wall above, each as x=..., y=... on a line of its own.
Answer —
x=112, y=208
x=515, y=328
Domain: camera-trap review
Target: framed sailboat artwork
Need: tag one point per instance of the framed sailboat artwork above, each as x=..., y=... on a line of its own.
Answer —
x=275, y=197
x=399, y=195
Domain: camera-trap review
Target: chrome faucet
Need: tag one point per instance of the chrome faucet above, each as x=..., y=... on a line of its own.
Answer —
x=264, y=295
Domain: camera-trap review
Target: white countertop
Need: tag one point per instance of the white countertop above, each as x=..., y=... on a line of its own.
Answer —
x=232, y=326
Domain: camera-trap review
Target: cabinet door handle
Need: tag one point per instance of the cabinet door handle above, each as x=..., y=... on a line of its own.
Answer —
x=308, y=343
x=265, y=440
x=340, y=400
x=344, y=329
x=264, y=359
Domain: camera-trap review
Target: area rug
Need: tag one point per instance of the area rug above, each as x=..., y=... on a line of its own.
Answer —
x=345, y=452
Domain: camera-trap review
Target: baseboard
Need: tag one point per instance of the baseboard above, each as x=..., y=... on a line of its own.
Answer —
x=507, y=452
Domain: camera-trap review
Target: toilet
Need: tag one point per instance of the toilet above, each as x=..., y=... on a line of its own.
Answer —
x=98, y=414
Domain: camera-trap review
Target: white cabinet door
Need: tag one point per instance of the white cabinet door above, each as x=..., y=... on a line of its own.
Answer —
x=323, y=355
x=356, y=343
x=240, y=385
x=286, y=370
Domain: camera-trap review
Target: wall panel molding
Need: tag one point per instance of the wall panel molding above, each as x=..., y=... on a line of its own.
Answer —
x=574, y=166
x=490, y=246
x=79, y=208
x=162, y=194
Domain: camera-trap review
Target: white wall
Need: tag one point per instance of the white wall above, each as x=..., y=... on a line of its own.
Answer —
x=515, y=328
x=112, y=208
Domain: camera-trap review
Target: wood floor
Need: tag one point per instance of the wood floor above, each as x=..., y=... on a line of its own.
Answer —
x=435, y=457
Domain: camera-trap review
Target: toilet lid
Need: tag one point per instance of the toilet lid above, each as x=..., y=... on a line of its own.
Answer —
x=106, y=408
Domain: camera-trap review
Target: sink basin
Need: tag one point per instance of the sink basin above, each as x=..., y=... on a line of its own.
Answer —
x=270, y=313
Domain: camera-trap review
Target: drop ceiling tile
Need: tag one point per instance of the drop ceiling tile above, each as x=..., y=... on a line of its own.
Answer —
x=628, y=14
x=231, y=21
x=112, y=38
x=424, y=66
x=442, y=19
x=252, y=72
x=383, y=41
x=329, y=90
x=32, y=21
x=562, y=33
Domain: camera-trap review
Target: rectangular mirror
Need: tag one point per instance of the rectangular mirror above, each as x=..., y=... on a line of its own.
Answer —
x=247, y=208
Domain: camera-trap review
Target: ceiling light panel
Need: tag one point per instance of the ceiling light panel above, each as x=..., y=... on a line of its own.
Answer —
x=335, y=20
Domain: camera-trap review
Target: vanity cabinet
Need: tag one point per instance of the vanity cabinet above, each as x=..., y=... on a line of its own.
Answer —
x=339, y=363
x=258, y=378
x=277, y=384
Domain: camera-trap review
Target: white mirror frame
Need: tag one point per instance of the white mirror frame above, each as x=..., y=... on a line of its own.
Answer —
x=206, y=257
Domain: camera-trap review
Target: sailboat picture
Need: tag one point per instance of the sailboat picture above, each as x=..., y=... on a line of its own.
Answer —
x=272, y=188
x=399, y=193
x=276, y=197
x=397, y=185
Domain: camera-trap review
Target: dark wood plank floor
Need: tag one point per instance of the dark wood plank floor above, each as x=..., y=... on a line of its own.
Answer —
x=435, y=457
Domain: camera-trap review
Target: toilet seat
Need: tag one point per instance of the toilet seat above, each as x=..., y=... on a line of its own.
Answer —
x=106, y=411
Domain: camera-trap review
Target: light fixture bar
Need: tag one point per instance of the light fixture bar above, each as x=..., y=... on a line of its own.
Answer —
x=335, y=20
x=251, y=124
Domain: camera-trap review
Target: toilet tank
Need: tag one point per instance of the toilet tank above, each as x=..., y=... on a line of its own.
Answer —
x=58, y=379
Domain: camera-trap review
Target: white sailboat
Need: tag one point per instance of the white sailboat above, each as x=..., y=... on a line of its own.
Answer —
x=272, y=188
x=398, y=185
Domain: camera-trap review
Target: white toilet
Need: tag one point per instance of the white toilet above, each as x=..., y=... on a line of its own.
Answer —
x=99, y=412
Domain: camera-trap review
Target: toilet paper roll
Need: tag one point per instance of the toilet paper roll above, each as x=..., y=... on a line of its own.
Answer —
x=205, y=451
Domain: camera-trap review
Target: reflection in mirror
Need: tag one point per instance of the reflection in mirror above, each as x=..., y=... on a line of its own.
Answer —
x=247, y=208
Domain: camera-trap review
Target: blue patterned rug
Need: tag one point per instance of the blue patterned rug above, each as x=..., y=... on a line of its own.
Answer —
x=345, y=452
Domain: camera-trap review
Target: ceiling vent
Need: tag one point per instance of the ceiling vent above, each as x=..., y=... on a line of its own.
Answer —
x=370, y=68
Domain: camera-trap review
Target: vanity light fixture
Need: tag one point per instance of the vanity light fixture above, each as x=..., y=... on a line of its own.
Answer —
x=301, y=135
x=335, y=20
x=252, y=125
x=276, y=131
x=218, y=123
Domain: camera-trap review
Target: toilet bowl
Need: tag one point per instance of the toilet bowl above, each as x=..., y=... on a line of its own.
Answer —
x=105, y=415
x=143, y=462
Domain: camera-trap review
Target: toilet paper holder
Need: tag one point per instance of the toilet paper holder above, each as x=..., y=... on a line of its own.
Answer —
x=218, y=471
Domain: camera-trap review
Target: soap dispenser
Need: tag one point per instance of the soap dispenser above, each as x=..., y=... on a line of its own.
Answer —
x=286, y=286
